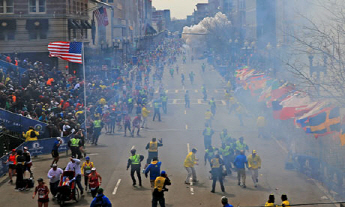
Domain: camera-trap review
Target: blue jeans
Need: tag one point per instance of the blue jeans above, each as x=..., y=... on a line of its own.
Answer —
x=78, y=182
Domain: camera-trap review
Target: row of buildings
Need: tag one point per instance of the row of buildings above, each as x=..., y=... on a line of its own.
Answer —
x=258, y=21
x=27, y=26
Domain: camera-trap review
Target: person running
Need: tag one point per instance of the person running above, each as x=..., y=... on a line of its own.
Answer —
x=54, y=175
x=28, y=161
x=74, y=165
x=204, y=92
x=187, y=100
x=154, y=169
x=285, y=202
x=127, y=123
x=225, y=202
x=152, y=148
x=145, y=113
x=86, y=170
x=95, y=180
x=43, y=193
x=136, y=125
x=254, y=164
x=239, y=163
x=189, y=163
x=217, y=172
x=100, y=200
x=134, y=161
x=160, y=186
x=11, y=161
x=270, y=202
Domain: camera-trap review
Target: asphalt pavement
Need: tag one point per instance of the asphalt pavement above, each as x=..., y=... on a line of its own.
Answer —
x=181, y=130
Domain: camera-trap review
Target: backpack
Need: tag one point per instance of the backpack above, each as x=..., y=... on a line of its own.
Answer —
x=32, y=134
x=99, y=201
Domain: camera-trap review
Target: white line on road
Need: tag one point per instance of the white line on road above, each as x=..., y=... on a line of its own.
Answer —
x=216, y=91
x=174, y=101
x=166, y=91
x=223, y=102
x=116, y=186
x=188, y=149
x=186, y=126
x=199, y=101
x=92, y=154
x=196, y=91
x=185, y=111
x=176, y=91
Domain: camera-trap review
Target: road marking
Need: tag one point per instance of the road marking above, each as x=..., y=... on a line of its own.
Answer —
x=185, y=111
x=216, y=91
x=174, y=101
x=199, y=101
x=196, y=91
x=281, y=146
x=166, y=91
x=188, y=149
x=223, y=102
x=156, y=91
x=186, y=127
x=176, y=91
x=92, y=154
x=116, y=186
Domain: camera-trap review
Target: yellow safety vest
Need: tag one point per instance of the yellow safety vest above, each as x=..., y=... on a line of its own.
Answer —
x=210, y=153
x=97, y=123
x=225, y=151
x=240, y=146
x=164, y=98
x=153, y=147
x=215, y=163
x=135, y=159
x=208, y=131
x=75, y=142
x=159, y=183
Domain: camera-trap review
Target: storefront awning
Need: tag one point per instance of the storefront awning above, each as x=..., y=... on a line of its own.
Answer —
x=74, y=24
x=41, y=24
x=85, y=24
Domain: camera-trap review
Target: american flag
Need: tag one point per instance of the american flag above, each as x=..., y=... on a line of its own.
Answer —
x=70, y=51
x=101, y=16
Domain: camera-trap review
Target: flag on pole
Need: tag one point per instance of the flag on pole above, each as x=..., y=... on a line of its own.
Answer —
x=70, y=51
x=101, y=16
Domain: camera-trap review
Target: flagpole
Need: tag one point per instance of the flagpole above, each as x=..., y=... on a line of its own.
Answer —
x=85, y=108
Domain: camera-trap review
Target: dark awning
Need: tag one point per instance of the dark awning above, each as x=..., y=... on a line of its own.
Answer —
x=8, y=24
x=74, y=24
x=150, y=30
x=41, y=24
x=85, y=24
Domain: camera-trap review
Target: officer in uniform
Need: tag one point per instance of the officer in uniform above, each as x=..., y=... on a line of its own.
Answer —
x=209, y=154
x=213, y=106
x=225, y=151
x=224, y=137
x=217, y=172
x=97, y=128
x=130, y=104
x=164, y=98
x=75, y=144
x=208, y=132
x=157, y=105
x=159, y=188
x=152, y=147
x=240, y=145
x=134, y=161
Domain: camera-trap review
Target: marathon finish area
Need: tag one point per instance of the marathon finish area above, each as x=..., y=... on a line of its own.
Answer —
x=111, y=155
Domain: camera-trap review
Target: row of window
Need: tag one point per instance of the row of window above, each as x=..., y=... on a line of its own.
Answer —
x=40, y=34
x=35, y=6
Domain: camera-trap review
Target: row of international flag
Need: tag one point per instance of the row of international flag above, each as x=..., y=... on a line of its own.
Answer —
x=319, y=118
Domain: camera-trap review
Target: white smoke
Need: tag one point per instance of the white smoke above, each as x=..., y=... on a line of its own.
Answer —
x=206, y=26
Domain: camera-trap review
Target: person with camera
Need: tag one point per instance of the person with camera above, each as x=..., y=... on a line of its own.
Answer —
x=160, y=186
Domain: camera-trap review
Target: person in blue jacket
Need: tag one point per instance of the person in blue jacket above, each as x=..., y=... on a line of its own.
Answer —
x=155, y=170
x=100, y=200
x=240, y=163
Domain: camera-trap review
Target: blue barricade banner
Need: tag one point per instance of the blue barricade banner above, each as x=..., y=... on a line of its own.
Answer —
x=17, y=123
x=39, y=147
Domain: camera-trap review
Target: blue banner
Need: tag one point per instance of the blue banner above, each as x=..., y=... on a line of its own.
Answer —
x=39, y=147
x=17, y=123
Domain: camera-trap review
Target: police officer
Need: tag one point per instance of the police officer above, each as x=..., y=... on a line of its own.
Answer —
x=217, y=172
x=210, y=152
x=75, y=144
x=152, y=148
x=157, y=112
x=225, y=151
x=240, y=145
x=213, y=106
x=97, y=128
x=224, y=137
x=208, y=132
x=164, y=99
x=130, y=104
x=159, y=188
x=134, y=161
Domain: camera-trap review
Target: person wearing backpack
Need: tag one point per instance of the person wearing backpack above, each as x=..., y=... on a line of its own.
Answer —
x=100, y=200
x=31, y=134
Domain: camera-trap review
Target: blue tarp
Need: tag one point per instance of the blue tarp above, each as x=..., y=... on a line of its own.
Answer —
x=40, y=147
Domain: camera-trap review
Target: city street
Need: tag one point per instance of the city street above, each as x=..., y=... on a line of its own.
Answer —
x=181, y=130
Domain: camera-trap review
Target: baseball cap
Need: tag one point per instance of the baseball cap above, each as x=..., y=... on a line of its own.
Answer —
x=93, y=169
x=254, y=151
x=224, y=199
x=13, y=150
x=163, y=173
x=25, y=148
x=54, y=165
x=87, y=158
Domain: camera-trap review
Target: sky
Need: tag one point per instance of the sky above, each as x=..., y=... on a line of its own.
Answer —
x=179, y=8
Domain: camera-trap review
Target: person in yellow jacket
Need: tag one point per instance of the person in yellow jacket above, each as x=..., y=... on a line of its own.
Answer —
x=86, y=170
x=261, y=123
x=254, y=164
x=189, y=163
x=285, y=202
x=208, y=117
x=31, y=134
x=145, y=113
x=270, y=202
